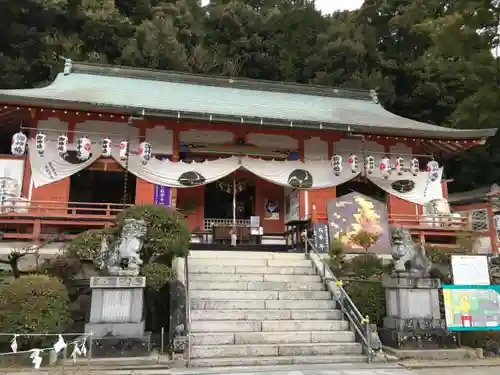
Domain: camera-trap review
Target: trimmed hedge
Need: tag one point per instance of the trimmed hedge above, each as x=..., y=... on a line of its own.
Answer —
x=34, y=304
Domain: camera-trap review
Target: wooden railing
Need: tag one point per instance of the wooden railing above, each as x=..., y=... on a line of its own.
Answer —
x=34, y=220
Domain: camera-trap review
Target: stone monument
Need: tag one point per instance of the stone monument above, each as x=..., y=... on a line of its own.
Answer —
x=116, y=311
x=413, y=316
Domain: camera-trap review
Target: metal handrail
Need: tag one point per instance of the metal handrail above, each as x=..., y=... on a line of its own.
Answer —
x=348, y=308
x=188, y=311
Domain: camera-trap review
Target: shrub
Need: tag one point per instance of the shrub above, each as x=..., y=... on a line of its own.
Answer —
x=336, y=257
x=157, y=275
x=168, y=235
x=369, y=298
x=365, y=266
x=34, y=304
x=87, y=246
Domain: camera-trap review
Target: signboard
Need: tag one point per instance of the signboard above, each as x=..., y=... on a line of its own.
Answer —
x=470, y=270
x=472, y=307
x=321, y=238
x=162, y=195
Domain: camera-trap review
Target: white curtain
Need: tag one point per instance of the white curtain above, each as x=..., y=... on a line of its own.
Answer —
x=424, y=189
x=316, y=174
x=51, y=167
x=179, y=174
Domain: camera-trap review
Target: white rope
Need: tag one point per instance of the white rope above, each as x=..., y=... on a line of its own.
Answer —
x=79, y=346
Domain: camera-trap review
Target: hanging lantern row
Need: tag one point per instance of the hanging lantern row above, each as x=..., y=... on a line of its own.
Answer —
x=83, y=147
x=386, y=167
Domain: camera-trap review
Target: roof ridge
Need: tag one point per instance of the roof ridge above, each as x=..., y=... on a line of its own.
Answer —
x=220, y=81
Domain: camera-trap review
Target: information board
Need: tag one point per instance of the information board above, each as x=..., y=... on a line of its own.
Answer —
x=470, y=270
x=472, y=307
x=321, y=236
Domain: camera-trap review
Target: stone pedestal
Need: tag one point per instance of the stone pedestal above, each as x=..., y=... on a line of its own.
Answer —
x=413, y=317
x=116, y=312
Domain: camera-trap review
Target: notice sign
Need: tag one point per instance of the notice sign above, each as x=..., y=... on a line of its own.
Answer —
x=470, y=270
x=472, y=308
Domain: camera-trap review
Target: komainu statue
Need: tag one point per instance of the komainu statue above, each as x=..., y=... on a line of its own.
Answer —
x=121, y=257
x=409, y=257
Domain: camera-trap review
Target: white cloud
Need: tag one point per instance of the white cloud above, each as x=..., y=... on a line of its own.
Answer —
x=329, y=6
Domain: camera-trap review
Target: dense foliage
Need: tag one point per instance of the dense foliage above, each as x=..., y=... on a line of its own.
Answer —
x=34, y=304
x=430, y=60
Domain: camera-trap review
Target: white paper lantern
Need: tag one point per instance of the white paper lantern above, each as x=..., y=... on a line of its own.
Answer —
x=19, y=142
x=62, y=145
x=369, y=164
x=399, y=165
x=83, y=148
x=433, y=170
x=337, y=164
x=385, y=167
x=106, y=147
x=41, y=143
x=414, y=166
x=124, y=150
x=354, y=163
x=145, y=152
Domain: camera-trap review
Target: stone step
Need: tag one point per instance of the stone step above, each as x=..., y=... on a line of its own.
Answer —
x=226, y=326
x=265, y=314
x=267, y=325
x=254, y=277
x=203, y=268
x=276, y=360
x=254, y=285
x=250, y=262
x=302, y=325
x=271, y=337
x=249, y=350
x=203, y=254
x=261, y=295
x=204, y=304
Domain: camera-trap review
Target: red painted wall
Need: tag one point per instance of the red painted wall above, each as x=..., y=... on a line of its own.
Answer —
x=56, y=192
x=266, y=190
x=189, y=196
x=144, y=192
x=320, y=198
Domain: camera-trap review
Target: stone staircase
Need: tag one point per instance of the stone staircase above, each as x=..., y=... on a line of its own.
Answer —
x=262, y=308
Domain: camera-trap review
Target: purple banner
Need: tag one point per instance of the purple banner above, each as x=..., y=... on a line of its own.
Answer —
x=162, y=195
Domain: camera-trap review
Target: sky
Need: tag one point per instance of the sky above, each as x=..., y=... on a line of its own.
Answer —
x=328, y=6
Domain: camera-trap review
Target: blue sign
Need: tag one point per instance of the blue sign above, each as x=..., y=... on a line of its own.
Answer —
x=162, y=195
x=472, y=307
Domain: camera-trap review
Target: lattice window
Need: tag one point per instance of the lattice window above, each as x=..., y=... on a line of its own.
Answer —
x=479, y=220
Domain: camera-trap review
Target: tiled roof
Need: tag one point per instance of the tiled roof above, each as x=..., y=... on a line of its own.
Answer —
x=93, y=87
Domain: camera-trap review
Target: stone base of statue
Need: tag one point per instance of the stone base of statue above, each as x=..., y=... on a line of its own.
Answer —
x=413, y=313
x=116, y=316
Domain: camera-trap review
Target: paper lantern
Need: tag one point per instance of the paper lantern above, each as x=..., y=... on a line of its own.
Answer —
x=106, y=147
x=369, y=164
x=399, y=165
x=433, y=170
x=145, y=152
x=414, y=166
x=337, y=164
x=40, y=143
x=124, y=150
x=83, y=148
x=19, y=142
x=62, y=145
x=385, y=167
x=354, y=163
